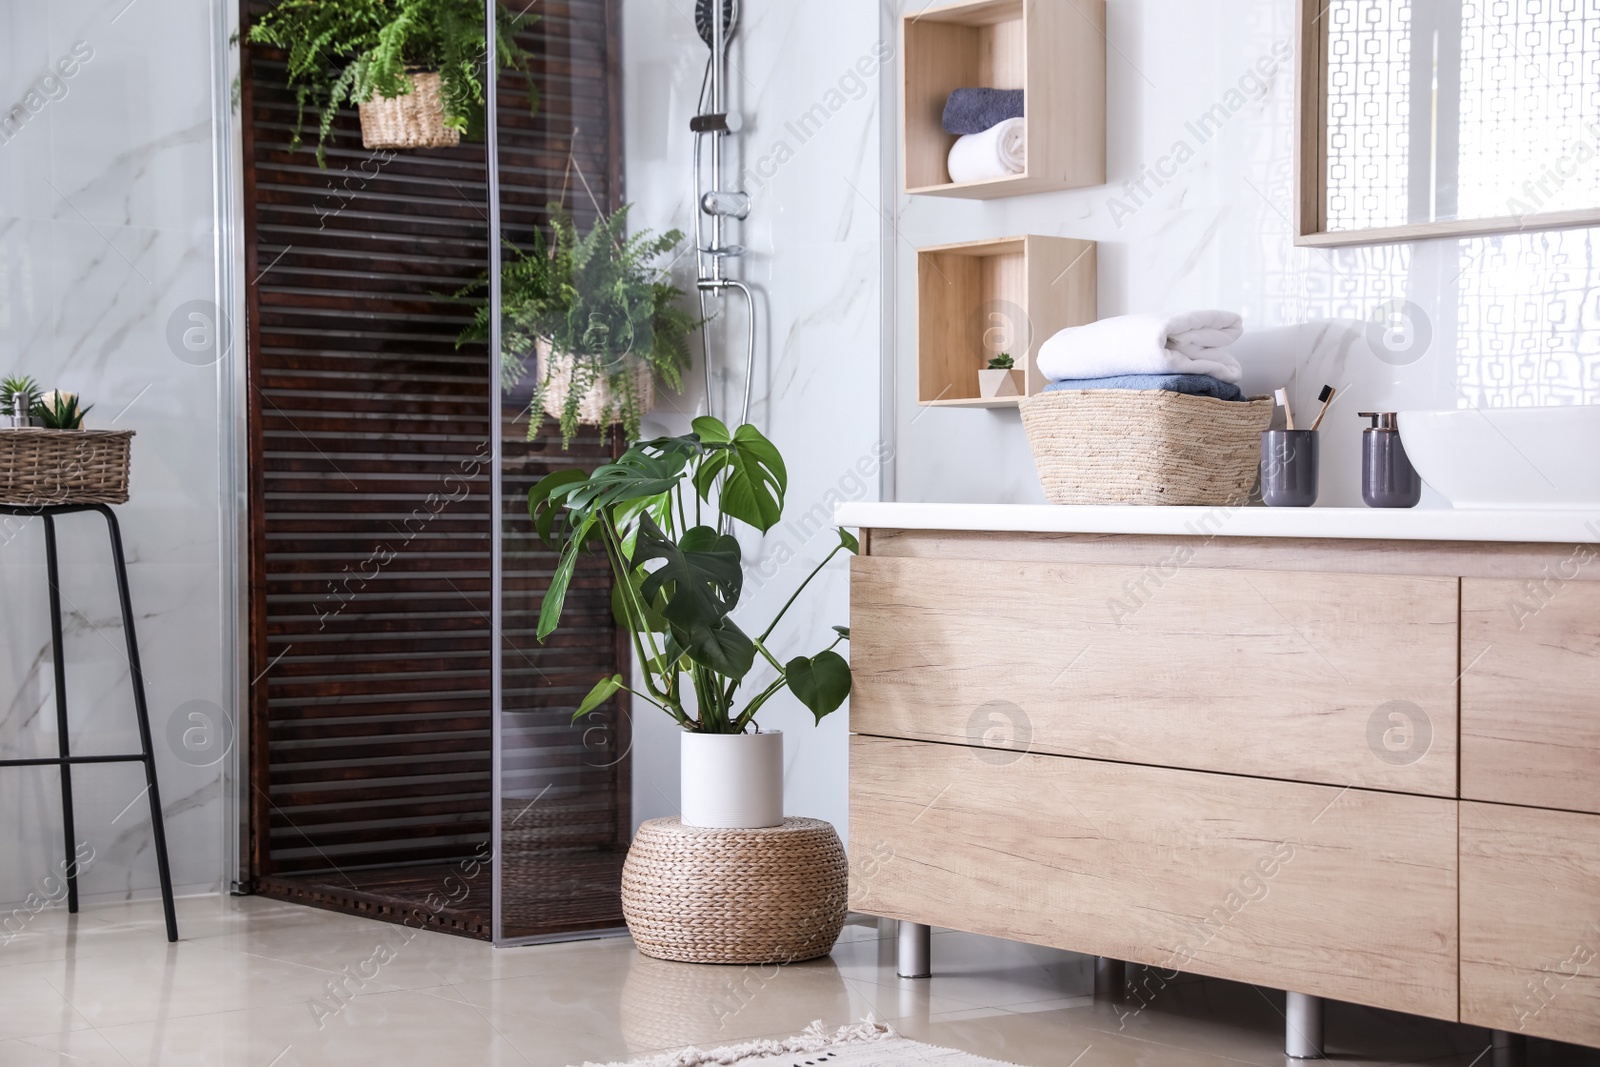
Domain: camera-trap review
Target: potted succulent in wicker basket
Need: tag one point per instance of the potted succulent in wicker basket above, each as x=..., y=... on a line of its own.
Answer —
x=663, y=514
x=415, y=68
x=594, y=319
x=48, y=458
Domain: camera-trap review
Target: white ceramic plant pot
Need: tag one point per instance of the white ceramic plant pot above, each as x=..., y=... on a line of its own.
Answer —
x=993, y=383
x=732, y=781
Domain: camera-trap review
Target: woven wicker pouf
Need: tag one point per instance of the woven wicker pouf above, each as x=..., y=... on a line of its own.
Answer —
x=698, y=895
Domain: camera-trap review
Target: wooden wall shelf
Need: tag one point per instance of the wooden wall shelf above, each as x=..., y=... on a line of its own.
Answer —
x=1055, y=50
x=980, y=298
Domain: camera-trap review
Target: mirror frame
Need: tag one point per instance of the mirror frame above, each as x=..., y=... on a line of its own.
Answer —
x=1311, y=165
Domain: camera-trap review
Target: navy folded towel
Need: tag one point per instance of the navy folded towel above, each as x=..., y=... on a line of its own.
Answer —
x=976, y=110
x=1188, y=384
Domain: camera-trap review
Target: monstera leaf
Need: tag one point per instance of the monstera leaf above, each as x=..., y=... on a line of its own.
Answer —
x=751, y=471
x=701, y=577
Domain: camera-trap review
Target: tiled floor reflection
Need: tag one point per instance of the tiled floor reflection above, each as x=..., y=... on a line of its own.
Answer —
x=258, y=983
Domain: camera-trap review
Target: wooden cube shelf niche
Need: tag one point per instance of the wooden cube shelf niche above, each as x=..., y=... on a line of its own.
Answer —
x=979, y=299
x=1055, y=50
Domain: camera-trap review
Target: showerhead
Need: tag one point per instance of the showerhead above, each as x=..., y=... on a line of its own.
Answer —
x=702, y=18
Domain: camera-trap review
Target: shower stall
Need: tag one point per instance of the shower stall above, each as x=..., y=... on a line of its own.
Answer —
x=411, y=749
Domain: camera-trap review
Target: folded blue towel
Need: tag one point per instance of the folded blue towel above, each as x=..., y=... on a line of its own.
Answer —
x=1189, y=384
x=975, y=110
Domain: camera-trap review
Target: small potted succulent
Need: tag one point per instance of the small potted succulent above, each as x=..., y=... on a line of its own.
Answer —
x=999, y=378
x=415, y=68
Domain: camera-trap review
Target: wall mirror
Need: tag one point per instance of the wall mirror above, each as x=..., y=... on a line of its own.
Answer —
x=1430, y=118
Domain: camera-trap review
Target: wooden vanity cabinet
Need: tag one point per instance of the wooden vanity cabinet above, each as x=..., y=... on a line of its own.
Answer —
x=1239, y=757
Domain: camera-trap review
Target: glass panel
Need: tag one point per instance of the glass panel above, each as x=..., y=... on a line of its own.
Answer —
x=565, y=813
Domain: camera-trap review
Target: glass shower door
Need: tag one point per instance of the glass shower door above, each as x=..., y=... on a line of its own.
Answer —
x=563, y=807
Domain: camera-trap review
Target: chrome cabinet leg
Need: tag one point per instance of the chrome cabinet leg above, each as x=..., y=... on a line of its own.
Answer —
x=1110, y=978
x=916, y=951
x=1303, y=1027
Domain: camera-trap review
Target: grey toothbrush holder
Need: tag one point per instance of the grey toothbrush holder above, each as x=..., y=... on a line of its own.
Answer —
x=1289, y=462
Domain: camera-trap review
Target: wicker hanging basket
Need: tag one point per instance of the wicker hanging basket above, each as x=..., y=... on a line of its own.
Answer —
x=1126, y=446
x=39, y=468
x=600, y=399
x=698, y=895
x=415, y=120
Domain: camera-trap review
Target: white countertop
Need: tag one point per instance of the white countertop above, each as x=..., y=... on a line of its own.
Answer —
x=1400, y=524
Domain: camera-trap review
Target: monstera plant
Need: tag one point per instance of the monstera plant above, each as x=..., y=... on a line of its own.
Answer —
x=663, y=514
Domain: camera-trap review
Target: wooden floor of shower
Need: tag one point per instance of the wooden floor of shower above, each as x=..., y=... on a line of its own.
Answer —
x=370, y=722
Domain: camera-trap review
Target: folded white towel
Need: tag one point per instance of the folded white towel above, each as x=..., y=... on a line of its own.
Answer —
x=1188, y=343
x=998, y=152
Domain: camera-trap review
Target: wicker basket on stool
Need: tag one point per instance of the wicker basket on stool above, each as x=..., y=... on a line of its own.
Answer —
x=699, y=895
x=41, y=468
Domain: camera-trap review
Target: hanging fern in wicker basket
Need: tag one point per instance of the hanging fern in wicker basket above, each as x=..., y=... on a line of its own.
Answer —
x=415, y=67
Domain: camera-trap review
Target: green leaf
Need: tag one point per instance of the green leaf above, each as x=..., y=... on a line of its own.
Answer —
x=724, y=648
x=822, y=682
x=848, y=540
x=752, y=477
x=556, y=596
x=653, y=620
x=701, y=575
x=711, y=430
x=546, y=500
x=603, y=691
x=842, y=631
x=698, y=583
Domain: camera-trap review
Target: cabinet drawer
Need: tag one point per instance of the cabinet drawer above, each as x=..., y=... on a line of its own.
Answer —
x=1340, y=893
x=1334, y=678
x=1530, y=921
x=1530, y=715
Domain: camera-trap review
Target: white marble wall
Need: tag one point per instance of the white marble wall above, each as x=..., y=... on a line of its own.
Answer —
x=813, y=237
x=1511, y=318
x=106, y=230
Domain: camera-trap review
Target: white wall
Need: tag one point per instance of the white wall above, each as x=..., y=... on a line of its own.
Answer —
x=106, y=231
x=813, y=237
x=1510, y=317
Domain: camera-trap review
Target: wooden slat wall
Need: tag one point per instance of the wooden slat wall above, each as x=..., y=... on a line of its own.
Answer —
x=370, y=550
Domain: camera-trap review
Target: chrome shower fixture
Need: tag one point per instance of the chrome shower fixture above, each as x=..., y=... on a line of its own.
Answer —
x=715, y=121
x=702, y=19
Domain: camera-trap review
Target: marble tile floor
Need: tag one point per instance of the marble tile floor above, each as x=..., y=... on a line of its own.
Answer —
x=259, y=983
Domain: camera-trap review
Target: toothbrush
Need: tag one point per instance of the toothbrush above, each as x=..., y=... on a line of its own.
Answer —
x=1326, y=396
x=1282, y=397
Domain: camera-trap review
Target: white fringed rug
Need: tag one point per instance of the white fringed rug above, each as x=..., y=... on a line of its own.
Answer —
x=870, y=1044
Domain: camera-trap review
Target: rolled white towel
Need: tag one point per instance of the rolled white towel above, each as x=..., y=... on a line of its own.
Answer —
x=998, y=152
x=1188, y=343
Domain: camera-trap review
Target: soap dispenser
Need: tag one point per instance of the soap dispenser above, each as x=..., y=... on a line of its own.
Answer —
x=1388, y=480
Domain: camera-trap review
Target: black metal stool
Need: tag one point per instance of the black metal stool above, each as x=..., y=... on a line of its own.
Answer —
x=65, y=760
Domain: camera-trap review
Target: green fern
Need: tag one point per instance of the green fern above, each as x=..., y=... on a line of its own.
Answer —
x=603, y=299
x=344, y=52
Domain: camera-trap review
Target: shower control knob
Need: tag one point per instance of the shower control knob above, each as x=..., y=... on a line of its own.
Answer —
x=731, y=205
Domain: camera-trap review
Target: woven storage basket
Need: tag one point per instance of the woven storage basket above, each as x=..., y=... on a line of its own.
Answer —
x=39, y=468
x=699, y=895
x=1124, y=446
x=594, y=404
x=415, y=120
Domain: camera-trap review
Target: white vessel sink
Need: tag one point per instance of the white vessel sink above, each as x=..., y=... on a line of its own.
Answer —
x=1508, y=457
